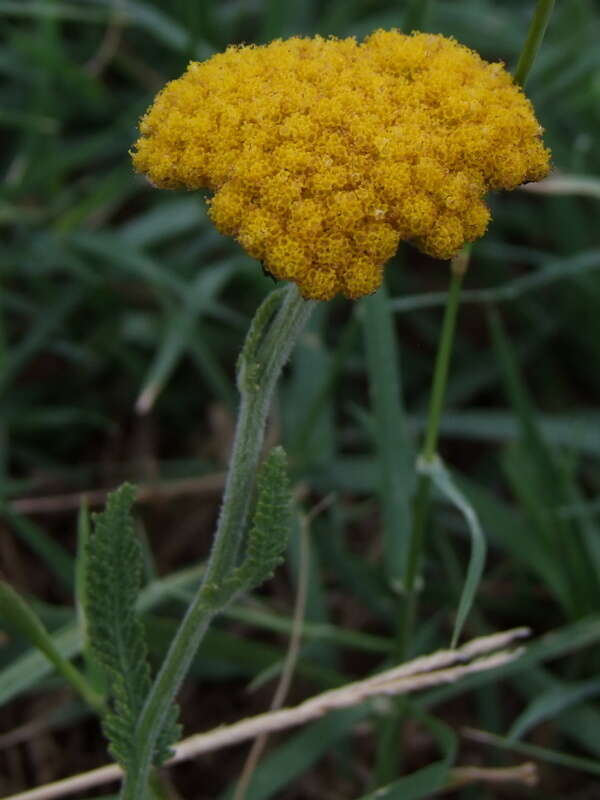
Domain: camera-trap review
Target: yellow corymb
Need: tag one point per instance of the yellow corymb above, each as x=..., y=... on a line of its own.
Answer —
x=322, y=154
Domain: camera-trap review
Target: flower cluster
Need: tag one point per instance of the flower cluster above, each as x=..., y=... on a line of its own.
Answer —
x=323, y=154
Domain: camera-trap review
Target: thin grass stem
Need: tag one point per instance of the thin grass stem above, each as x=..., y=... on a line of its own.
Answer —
x=421, y=501
x=442, y=363
x=535, y=36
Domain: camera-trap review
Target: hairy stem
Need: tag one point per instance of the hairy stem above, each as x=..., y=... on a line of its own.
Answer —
x=273, y=333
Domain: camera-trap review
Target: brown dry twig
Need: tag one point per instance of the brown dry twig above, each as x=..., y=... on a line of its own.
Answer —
x=205, y=484
x=524, y=774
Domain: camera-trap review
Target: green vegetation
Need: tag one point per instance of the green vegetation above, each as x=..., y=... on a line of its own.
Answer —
x=122, y=315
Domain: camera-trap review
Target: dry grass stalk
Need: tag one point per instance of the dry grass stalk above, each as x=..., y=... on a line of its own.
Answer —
x=445, y=666
x=524, y=774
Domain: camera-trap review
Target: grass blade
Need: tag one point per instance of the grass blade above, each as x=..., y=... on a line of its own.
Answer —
x=20, y=616
x=395, y=451
x=533, y=751
x=54, y=555
x=421, y=784
x=442, y=479
x=300, y=752
x=550, y=704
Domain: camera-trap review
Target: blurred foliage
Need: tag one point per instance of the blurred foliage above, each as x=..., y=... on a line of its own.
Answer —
x=121, y=315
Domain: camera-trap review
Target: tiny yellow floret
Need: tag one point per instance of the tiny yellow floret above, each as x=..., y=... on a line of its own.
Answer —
x=323, y=154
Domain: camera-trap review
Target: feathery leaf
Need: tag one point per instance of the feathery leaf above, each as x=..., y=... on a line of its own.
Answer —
x=114, y=570
x=267, y=537
x=268, y=534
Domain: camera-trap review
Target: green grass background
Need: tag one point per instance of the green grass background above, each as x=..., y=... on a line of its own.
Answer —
x=116, y=296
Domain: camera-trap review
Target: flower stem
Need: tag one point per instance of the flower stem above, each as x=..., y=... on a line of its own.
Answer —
x=535, y=36
x=273, y=333
x=421, y=501
x=442, y=363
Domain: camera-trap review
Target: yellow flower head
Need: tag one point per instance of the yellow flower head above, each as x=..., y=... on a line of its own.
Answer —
x=323, y=154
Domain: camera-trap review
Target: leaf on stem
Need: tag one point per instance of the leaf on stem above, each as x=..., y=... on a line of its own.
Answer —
x=254, y=337
x=268, y=534
x=114, y=570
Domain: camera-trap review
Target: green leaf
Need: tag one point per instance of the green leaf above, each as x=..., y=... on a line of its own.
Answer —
x=510, y=530
x=299, y=752
x=577, y=722
x=311, y=630
x=83, y=537
x=15, y=611
x=511, y=290
x=541, y=753
x=519, y=398
x=444, y=483
x=54, y=555
x=114, y=570
x=540, y=482
x=579, y=430
x=168, y=219
x=169, y=735
x=41, y=330
x=180, y=330
x=392, y=440
x=246, y=367
x=307, y=404
x=421, y=784
x=93, y=668
x=551, y=703
x=268, y=535
x=28, y=669
x=269, y=532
